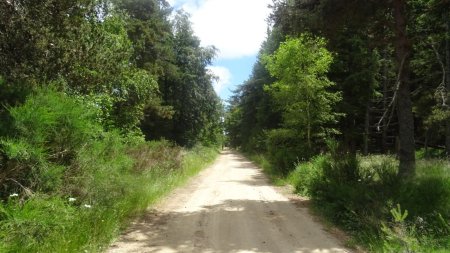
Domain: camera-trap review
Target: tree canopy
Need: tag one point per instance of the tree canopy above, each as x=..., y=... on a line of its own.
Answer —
x=390, y=67
x=146, y=71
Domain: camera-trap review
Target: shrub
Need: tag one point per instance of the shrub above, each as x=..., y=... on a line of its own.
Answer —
x=79, y=204
x=307, y=174
x=342, y=166
x=285, y=149
x=49, y=129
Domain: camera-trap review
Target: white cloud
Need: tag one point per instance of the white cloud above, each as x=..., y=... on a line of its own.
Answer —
x=173, y=2
x=223, y=77
x=236, y=27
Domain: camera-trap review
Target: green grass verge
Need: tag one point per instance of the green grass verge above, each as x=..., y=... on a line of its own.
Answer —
x=364, y=197
x=90, y=220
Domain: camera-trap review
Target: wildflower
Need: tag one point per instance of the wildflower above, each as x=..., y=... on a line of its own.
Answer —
x=14, y=195
x=72, y=199
x=87, y=206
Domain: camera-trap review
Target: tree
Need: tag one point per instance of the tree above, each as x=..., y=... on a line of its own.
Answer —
x=252, y=111
x=302, y=88
x=404, y=104
x=197, y=109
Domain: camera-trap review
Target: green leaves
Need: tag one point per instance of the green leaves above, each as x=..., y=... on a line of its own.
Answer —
x=298, y=58
x=301, y=90
x=127, y=58
x=398, y=214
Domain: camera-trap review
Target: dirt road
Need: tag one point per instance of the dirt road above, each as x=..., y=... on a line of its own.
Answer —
x=229, y=207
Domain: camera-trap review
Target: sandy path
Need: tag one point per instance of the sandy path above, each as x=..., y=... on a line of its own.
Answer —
x=229, y=207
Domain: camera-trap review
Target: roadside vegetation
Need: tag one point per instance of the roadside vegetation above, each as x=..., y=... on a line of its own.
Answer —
x=364, y=197
x=106, y=106
x=348, y=103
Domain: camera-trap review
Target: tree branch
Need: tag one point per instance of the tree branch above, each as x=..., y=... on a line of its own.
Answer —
x=441, y=89
x=394, y=98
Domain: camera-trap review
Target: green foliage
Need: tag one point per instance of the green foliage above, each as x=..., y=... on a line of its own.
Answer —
x=363, y=205
x=302, y=89
x=355, y=192
x=342, y=167
x=430, y=153
x=139, y=66
x=198, y=114
x=49, y=129
x=301, y=93
x=284, y=149
x=135, y=91
x=398, y=236
x=73, y=194
x=80, y=82
x=252, y=111
x=306, y=175
x=28, y=224
x=41, y=223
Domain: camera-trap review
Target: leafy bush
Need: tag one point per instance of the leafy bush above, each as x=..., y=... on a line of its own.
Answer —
x=284, y=149
x=306, y=175
x=48, y=129
x=70, y=185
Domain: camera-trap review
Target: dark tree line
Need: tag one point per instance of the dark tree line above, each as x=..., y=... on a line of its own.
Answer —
x=146, y=71
x=391, y=63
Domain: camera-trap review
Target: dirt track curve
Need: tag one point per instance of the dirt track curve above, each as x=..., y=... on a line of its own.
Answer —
x=229, y=207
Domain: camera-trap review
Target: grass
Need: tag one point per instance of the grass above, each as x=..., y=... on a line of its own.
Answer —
x=364, y=197
x=45, y=223
x=68, y=185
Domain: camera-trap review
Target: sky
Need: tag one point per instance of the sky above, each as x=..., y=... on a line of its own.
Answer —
x=236, y=28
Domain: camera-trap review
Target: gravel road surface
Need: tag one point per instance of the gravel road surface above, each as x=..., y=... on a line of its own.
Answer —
x=228, y=207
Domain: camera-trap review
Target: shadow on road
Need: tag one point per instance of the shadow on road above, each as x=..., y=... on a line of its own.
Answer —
x=247, y=215
x=241, y=226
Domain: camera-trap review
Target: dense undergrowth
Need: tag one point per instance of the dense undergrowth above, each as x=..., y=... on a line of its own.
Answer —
x=70, y=186
x=365, y=197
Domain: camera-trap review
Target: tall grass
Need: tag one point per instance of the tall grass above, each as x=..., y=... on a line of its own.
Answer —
x=70, y=186
x=45, y=223
x=365, y=197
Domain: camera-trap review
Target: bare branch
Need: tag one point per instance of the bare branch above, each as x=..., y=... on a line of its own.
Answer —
x=441, y=89
x=27, y=190
x=394, y=98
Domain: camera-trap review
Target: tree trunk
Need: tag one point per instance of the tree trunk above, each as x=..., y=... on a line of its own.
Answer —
x=367, y=129
x=308, y=127
x=384, y=144
x=447, y=80
x=404, y=104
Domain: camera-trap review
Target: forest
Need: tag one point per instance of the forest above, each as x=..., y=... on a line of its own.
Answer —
x=105, y=107
x=349, y=103
x=108, y=105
